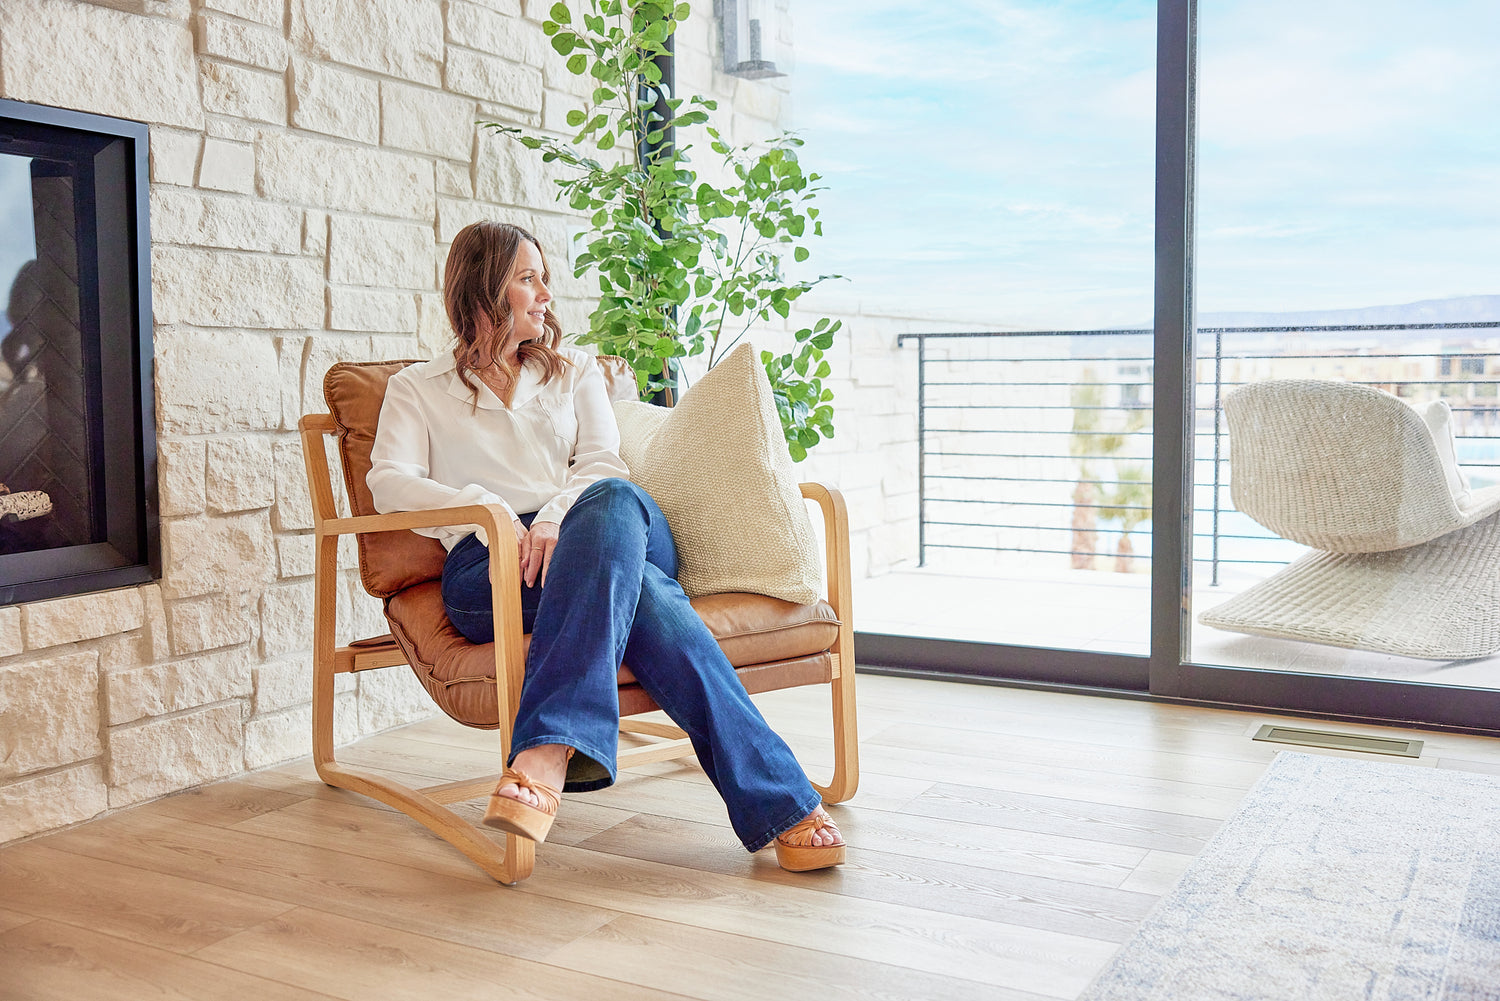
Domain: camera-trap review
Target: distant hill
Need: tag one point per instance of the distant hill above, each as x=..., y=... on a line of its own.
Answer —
x=1460, y=309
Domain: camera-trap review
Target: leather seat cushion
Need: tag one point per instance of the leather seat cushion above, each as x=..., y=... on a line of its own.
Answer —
x=771, y=643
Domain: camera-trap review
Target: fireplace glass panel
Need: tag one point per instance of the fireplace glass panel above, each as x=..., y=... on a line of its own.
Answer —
x=45, y=453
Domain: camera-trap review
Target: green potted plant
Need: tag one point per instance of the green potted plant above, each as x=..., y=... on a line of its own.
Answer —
x=685, y=266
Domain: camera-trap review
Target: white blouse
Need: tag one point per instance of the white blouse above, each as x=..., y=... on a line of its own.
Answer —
x=434, y=449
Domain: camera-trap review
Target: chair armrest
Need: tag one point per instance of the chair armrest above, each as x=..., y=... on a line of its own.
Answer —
x=505, y=554
x=489, y=516
x=836, y=546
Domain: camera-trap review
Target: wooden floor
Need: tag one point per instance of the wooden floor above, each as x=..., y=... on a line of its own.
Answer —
x=1004, y=843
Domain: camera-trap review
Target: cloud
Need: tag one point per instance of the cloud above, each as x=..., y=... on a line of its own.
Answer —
x=1380, y=75
x=1006, y=149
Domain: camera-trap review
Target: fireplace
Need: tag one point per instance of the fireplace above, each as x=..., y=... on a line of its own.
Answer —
x=77, y=424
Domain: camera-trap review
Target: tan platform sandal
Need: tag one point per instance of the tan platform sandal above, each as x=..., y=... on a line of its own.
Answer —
x=795, y=851
x=514, y=817
x=25, y=505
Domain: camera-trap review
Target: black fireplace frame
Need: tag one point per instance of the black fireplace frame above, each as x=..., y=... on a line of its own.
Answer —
x=116, y=311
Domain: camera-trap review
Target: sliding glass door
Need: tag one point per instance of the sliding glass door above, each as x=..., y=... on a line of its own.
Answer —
x=1338, y=278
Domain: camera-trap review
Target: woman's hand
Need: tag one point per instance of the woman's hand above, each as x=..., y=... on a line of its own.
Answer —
x=536, y=547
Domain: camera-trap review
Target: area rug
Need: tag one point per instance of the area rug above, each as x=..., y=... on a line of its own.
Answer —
x=1334, y=880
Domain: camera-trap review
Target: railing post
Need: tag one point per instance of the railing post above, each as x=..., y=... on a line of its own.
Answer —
x=1218, y=412
x=921, y=451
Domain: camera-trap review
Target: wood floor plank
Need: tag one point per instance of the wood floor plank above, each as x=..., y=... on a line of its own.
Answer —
x=665, y=956
x=950, y=887
x=1080, y=751
x=439, y=762
x=358, y=961
x=300, y=777
x=13, y=919
x=1158, y=873
x=1209, y=798
x=922, y=699
x=1470, y=765
x=684, y=798
x=1089, y=819
x=294, y=778
x=987, y=951
x=465, y=906
x=224, y=804
x=687, y=795
x=440, y=728
x=354, y=830
x=1023, y=851
x=1051, y=855
x=168, y=912
x=386, y=834
x=48, y=961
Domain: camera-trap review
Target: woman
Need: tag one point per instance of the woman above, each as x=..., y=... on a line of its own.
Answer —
x=512, y=418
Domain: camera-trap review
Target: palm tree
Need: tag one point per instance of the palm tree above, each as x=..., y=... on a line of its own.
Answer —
x=1088, y=442
x=1129, y=503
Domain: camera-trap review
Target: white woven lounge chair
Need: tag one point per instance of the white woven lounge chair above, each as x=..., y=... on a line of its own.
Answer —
x=1407, y=557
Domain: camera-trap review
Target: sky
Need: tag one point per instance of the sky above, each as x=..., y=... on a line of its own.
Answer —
x=993, y=159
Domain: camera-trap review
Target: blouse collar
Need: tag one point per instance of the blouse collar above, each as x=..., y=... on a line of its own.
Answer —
x=528, y=384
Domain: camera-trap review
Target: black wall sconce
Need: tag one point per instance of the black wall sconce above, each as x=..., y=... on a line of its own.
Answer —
x=747, y=33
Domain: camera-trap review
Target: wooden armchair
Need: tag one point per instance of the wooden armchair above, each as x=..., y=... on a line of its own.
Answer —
x=772, y=644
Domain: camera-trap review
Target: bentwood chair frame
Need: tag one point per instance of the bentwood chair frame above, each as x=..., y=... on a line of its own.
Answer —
x=429, y=806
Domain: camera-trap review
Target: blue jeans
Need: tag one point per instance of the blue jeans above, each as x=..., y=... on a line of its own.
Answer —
x=612, y=597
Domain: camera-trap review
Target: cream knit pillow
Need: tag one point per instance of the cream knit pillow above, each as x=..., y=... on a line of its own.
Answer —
x=718, y=466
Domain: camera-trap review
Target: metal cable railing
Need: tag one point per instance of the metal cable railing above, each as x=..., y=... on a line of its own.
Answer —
x=1007, y=422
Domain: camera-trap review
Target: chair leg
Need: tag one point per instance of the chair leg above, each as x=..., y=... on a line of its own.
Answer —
x=845, y=779
x=841, y=597
x=508, y=865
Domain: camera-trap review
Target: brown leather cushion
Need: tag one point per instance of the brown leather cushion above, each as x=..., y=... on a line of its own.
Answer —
x=771, y=643
x=388, y=561
x=756, y=629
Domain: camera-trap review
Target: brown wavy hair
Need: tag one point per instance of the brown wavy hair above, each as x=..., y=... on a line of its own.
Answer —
x=481, y=263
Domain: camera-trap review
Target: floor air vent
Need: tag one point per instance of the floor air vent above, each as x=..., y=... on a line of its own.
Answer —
x=1339, y=741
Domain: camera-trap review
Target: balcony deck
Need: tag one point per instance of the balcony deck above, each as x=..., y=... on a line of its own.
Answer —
x=1035, y=451
x=1110, y=613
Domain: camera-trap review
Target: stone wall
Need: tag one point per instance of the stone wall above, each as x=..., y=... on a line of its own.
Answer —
x=310, y=162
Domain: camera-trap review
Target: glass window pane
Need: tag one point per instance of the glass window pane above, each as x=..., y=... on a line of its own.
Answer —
x=990, y=175
x=1348, y=340
x=44, y=437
